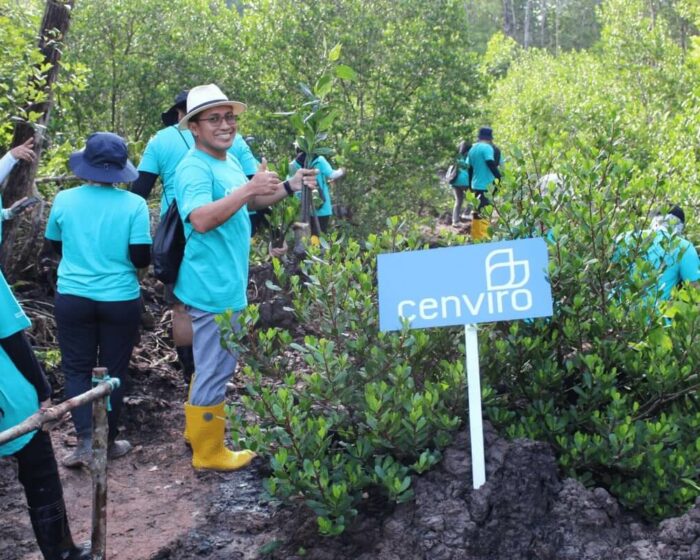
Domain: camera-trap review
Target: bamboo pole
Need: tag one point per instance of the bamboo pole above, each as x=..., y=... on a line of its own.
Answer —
x=53, y=414
x=99, y=471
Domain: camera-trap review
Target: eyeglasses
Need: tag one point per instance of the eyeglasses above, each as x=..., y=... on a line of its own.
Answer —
x=216, y=119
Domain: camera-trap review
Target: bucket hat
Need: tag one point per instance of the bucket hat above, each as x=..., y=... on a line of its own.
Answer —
x=169, y=117
x=485, y=133
x=104, y=160
x=205, y=97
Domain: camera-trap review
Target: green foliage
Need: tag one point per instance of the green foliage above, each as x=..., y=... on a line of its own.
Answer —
x=140, y=54
x=23, y=70
x=19, y=50
x=501, y=51
x=609, y=380
x=366, y=409
x=313, y=121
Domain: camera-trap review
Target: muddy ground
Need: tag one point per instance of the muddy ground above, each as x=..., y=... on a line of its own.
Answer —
x=159, y=508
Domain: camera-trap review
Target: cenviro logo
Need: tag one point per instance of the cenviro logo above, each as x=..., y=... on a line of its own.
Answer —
x=505, y=291
x=512, y=287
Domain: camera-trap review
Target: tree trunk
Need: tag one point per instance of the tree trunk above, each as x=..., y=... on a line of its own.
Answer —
x=508, y=19
x=526, y=23
x=543, y=23
x=54, y=26
x=557, y=18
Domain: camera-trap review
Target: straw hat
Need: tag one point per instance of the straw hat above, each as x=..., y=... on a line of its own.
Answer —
x=205, y=97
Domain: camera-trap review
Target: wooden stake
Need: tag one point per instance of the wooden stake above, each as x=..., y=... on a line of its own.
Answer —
x=99, y=471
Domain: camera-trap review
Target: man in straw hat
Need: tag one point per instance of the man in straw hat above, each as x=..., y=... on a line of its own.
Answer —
x=160, y=159
x=213, y=195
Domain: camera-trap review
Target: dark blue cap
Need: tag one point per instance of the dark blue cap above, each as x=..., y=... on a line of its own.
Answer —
x=169, y=117
x=677, y=211
x=485, y=133
x=104, y=160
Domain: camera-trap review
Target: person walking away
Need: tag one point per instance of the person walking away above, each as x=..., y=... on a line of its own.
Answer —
x=483, y=171
x=24, y=152
x=213, y=196
x=160, y=159
x=23, y=386
x=461, y=182
x=103, y=236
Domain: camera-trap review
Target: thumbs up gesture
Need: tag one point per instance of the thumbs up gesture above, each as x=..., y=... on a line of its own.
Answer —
x=264, y=182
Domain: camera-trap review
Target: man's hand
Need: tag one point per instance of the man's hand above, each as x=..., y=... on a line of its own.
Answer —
x=278, y=252
x=264, y=182
x=307, y=176
x=24, y=151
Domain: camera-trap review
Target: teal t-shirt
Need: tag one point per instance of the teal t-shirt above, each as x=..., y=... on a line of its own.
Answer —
x=213, y=275
x=96, y=225
x=479, y=154
x=161, y=157
x=324, y=172
x=462, y=179
x=18, y=399
x=675, y=257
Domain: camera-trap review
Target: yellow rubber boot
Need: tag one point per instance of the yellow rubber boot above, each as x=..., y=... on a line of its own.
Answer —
x=480, y=229
x=205, y=427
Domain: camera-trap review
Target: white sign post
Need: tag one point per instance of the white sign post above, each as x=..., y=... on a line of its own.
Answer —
x=465, y=285
x=476, y=430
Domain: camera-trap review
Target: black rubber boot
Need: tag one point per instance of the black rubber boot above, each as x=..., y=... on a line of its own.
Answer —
x=53, y=536
x=186, y=357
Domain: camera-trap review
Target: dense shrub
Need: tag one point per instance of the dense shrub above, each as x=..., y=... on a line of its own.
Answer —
x=366, y=409
x=611, y=379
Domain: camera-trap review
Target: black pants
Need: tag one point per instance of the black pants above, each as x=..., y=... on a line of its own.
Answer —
x=92, y=333
x=38, y=472
x=483, y=199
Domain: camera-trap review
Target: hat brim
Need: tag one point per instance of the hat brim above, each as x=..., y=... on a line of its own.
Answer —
x=101, y=174
x=236, y=106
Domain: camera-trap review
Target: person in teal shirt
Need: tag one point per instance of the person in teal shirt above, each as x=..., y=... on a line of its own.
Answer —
x=103, y=236
x=326, y=174
x=213, y=196
x=24, y=152
x=22, y=386
x=461, y=181
x=162, y=155
x=483, y=171
x=673, y=257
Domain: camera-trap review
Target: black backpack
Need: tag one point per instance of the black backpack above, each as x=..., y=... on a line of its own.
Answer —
x=168, y=246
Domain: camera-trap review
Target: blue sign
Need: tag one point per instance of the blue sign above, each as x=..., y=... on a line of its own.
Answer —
x=478, y=283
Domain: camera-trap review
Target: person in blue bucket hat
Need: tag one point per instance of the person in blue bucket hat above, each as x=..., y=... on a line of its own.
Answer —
x=103, y=236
